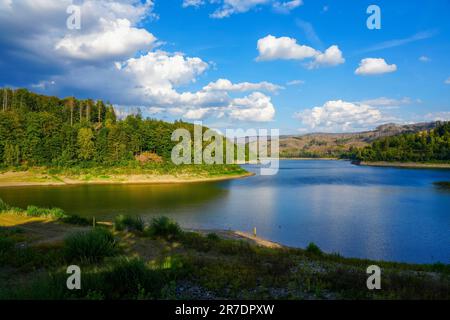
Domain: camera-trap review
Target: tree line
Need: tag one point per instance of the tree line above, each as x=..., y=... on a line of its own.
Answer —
x=425, y=146
x=45, y=130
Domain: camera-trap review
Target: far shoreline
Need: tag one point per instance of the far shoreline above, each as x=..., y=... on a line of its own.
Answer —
x=300, y=158
x=410, y=165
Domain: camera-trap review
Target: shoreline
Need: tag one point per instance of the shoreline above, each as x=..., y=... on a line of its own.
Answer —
x=300, y=158
x=411, y=165
x=241, y=235
x=53, y=231
x=22, y=176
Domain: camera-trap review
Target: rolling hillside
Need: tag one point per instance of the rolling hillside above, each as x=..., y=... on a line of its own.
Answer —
x=331, y=145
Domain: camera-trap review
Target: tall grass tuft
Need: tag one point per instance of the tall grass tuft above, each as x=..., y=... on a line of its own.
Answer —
x=57, y=213
x=122, y=222
x=130, y=277
x=3, y=205
x=90, y=246
x=164, y=227
x=213, y=237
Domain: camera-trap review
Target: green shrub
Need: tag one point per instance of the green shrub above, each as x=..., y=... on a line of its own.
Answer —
x=212, y=237
x=56, y=213
x=196, y=241
x=129, y=278
x=34, y=211
x=164, y=227
x=15, y=210
x=122, y=222
x=314, y=249
x=77, y=220
x=90, y=246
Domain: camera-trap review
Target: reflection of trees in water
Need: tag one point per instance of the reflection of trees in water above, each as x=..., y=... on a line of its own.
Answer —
x=108, y=200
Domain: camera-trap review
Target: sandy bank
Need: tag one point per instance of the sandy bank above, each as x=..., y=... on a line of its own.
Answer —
x=26, y=178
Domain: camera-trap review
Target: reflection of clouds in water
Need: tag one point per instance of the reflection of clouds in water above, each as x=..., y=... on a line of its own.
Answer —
x=376, y=226
x=364, y=231
x=327, y=203
x=262, y=202
x=243, y=208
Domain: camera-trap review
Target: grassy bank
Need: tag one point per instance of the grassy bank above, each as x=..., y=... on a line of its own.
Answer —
x=418, y=165
x=151, y=173
x=133, y=259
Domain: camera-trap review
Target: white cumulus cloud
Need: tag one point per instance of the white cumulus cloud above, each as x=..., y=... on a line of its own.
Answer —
x=113, y=40
x=273, y=48
x=331, y=57
x=255, y=107
x=160, y=69
x=285, y=48
x=374, y=66
x=37, y=32
x=339, y=116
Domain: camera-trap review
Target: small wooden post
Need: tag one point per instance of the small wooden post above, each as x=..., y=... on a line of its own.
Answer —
x=254, y=231
x=93, y=222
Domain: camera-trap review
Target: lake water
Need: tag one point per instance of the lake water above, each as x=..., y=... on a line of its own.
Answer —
x=366, y=212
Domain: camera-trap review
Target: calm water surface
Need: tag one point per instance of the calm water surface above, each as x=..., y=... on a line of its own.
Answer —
x=368, y=212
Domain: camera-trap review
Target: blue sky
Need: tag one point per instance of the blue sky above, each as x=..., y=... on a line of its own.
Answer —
x=166, y=58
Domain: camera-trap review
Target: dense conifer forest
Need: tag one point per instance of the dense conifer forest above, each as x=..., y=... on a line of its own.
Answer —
x=38, y=130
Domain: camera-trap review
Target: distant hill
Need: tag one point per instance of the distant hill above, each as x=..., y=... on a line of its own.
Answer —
x=328, y=145
x=425, y=146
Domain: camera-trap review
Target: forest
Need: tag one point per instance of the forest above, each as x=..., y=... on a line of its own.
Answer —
x=425, y=146
x=39, y=130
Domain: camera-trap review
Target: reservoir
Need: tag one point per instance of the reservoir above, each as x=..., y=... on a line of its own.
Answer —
x=366, y=212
